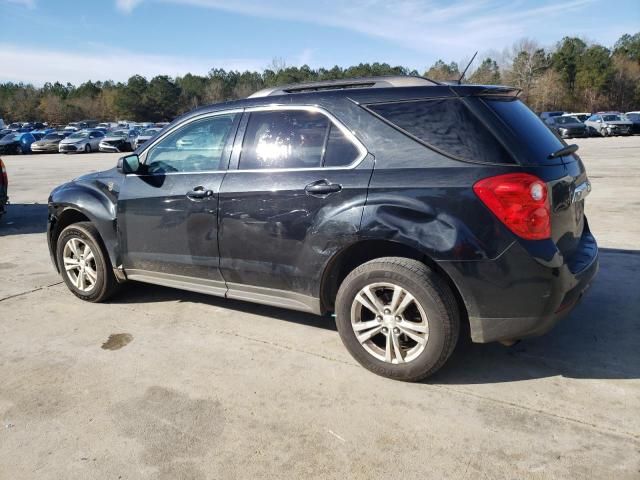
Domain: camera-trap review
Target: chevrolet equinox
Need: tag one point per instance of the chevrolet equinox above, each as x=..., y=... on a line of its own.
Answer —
x=411, y=210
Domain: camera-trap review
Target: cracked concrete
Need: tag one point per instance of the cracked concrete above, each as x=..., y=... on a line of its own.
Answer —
x=212, y=388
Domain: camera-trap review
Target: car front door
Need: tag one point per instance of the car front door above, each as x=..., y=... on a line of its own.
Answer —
x=293, y=196
x=168, y=211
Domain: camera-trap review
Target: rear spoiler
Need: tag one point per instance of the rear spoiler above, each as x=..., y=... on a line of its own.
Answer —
x=485, y=90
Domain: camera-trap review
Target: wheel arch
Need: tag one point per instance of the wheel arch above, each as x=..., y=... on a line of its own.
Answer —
x=363, y=251
x=81, y=204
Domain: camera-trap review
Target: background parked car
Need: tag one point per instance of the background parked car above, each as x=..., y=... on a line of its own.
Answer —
x=122, y=140
x=582, y=116
x=609, y=123
x=634, y=118
x=17, y=143
x=86, y=141
x=568, y=126
x=49, y=143
x=545, y=116
x=146, y=135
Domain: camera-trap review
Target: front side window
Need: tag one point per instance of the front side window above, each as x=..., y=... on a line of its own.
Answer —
x=196, y=147
x=446, y=125
x=294, y=139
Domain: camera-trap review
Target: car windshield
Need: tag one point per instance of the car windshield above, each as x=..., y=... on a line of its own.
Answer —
x=118, y=133
x=149, y=132
x=566, y=120
x=611, y=118
x=53, y=136
x=79, y=135
x=10, y=137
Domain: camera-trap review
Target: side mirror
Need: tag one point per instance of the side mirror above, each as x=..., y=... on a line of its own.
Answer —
x=129, y=164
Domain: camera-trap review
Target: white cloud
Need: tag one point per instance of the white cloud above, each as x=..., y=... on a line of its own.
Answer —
x=38, y=66
x=427, y=26
x=127, y=6
x=31, y=4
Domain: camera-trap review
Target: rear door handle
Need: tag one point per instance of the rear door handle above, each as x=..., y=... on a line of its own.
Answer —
x=322, y=187
x=199, y=193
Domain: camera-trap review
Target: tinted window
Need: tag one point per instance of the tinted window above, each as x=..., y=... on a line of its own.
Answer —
x=446, y=125
x=527, y=128
x=340, y=151
x=611, y=118
x=198, y=146
x=566, y=120
x=284, y=139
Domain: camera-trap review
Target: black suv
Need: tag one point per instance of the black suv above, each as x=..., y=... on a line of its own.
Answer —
x=406, y=207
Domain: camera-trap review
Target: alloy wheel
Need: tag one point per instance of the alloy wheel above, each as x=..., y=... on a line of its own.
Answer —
x=80, y=264
x=389, y=323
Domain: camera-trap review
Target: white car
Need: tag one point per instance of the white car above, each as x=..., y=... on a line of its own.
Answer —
x=83, y=141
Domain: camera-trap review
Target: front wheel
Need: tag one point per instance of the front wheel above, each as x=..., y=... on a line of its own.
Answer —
x=87, y=148
x=83, y=264
x=19, y=150
x=397, y=318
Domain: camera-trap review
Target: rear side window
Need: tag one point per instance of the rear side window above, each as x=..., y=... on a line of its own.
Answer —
x=447, y=126
x=527, y=128
x=294, y=139
x=340, y=150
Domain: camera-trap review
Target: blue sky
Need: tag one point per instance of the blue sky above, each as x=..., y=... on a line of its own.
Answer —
x=67, y=40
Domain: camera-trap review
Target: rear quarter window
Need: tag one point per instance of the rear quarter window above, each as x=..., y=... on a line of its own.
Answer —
x=447, y=126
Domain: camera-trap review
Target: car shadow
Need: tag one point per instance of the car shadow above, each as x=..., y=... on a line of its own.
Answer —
x=598, y=340
x=24, y=218
x=136, y=292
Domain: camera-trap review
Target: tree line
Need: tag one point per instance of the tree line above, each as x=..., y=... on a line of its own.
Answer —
x=573, y=75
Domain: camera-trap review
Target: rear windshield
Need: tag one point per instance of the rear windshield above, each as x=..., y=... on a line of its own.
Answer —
x=526, y=127
x=447, y=126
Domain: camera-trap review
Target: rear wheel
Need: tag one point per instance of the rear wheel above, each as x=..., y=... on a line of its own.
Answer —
x=19, y=150
x=84, y=266
x=397, y=318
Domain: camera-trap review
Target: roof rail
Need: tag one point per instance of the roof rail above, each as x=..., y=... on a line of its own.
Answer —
x=363, y=82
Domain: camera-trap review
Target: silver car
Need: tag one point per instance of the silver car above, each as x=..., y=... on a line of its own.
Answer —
x=607, y=124
x=83, y=141
x=49, y=143
x=121, y=140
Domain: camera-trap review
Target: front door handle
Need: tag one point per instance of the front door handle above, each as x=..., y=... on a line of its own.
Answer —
x=199, y=193
x=322, y=187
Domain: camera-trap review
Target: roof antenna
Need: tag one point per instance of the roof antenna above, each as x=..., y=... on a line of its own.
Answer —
x=465, y=70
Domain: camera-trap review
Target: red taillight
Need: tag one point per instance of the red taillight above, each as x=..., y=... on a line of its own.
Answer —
x=3, y=174
x=520, y=201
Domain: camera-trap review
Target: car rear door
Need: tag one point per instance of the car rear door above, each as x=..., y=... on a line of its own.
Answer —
x=168, y=213
x=293, y=196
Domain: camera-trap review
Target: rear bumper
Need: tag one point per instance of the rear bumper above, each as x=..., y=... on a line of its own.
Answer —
x=516, y=296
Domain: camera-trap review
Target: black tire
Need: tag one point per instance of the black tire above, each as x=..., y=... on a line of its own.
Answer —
x=105, y=284
x=19, y=150
x=87, y=148
x=430, y=291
